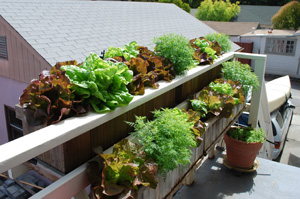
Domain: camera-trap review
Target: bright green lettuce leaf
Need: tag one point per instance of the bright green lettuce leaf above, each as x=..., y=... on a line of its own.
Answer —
x=201, y=43
x=221, y=88
x=199, y=106
x=129, y=51
x=211, y=53
x=101, y=83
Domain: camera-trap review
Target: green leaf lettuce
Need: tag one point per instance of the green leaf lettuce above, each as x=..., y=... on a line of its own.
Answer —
x=101, y=83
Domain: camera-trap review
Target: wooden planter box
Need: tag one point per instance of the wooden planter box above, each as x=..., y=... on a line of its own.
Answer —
x=215, y=129
x=77, y=151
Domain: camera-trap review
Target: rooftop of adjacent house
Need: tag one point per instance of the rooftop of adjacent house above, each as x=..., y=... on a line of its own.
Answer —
x=254, y=13
x=68, y=30
x=232, y=28
x=270, y=32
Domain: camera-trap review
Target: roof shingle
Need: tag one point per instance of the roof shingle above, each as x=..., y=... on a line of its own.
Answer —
x=76, y=27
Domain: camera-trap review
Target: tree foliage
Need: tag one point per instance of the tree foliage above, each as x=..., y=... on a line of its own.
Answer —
x=210, y=10
x=262, y=2
x=179, y=3
x=288, y=17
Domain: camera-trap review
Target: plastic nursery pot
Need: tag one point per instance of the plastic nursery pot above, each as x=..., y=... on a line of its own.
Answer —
x=241, y=154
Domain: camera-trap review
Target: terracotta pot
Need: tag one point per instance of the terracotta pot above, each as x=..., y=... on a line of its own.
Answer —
x=240, y=154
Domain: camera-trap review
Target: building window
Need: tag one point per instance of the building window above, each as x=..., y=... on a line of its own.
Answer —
x=14, y=125
x=280, y=46
x=3, y=47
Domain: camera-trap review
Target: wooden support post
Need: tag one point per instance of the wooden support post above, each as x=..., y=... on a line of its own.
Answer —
x=211, y=153
x=17, y=171
x=190, y=177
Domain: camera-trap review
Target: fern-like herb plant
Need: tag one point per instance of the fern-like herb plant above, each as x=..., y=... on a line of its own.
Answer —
x=167, y=139
x=236, y=71
x=177, y=49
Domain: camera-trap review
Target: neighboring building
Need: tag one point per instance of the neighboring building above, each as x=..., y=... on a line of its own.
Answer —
x=34, y=35
x=254, y=13
x=282, y=48
x=233, y=29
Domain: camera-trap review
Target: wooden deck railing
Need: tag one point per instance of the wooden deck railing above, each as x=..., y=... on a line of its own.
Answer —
x=27, y=147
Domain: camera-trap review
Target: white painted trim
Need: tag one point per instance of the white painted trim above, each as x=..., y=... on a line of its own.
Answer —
x=33, y=144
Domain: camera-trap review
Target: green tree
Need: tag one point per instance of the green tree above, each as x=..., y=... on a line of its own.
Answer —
x=179, y=3
x=288, y=17
x=210, y=10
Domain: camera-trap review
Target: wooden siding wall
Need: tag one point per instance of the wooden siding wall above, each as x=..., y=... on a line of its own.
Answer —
x=24, y=62
x=247, y=48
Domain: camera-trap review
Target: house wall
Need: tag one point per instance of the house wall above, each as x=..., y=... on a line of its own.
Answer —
x=23, y=64
x=277, y=64
x=11, y=90
x=284, y=65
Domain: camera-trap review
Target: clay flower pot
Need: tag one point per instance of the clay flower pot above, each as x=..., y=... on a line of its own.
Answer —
x=241, y=154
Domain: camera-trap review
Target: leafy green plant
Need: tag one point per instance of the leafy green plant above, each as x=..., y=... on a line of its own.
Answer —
x=222, y=39
x=201, y=43
x=210, y=10
x=101, y=83
x=237, y=71
x=218, y=98
x=148, y=68
x=177, y=49
x=199, y=106
x=221, y=88
x=124, y=172
x=166, y=139
x=247, y=134
x=211, y=53
x=199, y=126
x=50, y=99
x=205, y=51
x=288, y=17
x=128, y=51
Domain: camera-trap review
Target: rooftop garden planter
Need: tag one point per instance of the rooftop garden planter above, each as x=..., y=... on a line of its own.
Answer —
x=167, y=183
x=87, y=94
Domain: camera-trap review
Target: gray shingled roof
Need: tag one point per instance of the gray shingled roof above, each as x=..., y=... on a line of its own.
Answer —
x=261, y=14
x=67, y=30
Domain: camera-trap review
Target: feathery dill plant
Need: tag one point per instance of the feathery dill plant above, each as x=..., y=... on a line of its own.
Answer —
x=166, y=139
x=177, y=49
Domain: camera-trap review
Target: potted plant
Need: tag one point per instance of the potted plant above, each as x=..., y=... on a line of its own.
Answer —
x=242, y=146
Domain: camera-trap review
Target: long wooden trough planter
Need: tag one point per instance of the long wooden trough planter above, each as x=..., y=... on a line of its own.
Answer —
x=215, y=129
x=78, y=150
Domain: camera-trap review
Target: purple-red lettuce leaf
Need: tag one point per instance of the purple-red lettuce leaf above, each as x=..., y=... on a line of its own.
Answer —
x=148, y=69
x=49, y=99
x=199, y=126
x=136, y=86
x=124, y=172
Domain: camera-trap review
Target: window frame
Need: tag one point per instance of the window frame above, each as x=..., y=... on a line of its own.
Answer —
x=11, y=127
x=3, y=47
x=285, y=45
